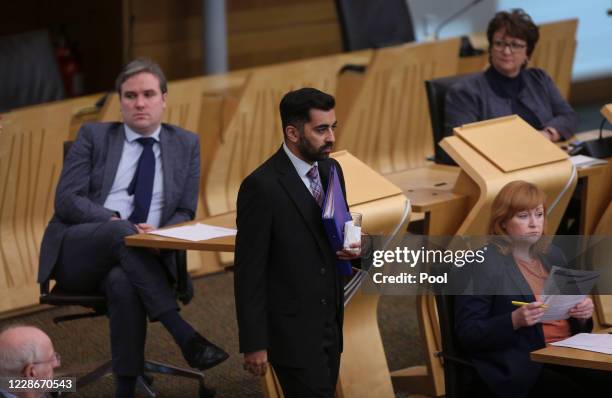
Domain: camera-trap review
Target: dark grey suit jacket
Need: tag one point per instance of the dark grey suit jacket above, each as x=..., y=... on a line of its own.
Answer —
x=88, y=174
x=472, y=99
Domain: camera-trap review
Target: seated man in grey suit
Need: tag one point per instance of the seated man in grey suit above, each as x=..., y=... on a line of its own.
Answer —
x=121, y=179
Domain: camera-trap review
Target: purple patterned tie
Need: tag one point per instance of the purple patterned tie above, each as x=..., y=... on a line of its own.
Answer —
x=315, y=184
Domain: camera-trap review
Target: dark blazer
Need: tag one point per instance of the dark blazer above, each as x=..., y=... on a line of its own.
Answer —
x=286, y=282
x=483, y=324
x=472, y=99
x=88, y=175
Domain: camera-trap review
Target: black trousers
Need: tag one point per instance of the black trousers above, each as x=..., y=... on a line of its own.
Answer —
x=94, y=258
x=320, y=378
x=559, y=382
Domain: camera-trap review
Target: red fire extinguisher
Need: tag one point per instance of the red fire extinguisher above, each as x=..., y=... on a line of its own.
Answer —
x=69, y=67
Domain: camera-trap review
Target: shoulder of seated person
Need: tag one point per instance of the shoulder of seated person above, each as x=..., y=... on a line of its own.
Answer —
x=98, y=128
x=179, y=131
x=469, y=83
x=537, y=73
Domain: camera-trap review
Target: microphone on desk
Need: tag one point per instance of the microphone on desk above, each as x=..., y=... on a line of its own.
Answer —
x=600, y=147
x=452, y=17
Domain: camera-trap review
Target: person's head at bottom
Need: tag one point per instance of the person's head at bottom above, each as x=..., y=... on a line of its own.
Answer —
x=27, y=352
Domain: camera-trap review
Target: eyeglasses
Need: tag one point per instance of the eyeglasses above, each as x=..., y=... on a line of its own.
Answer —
x=56, y=359
x=500, y=45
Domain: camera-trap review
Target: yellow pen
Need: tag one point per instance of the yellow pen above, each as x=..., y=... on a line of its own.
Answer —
x=522, y=303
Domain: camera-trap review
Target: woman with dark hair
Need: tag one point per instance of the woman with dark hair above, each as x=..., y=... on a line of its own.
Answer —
x=497, y=336
x=508, y=86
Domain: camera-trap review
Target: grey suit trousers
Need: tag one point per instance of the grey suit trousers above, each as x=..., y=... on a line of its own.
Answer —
x=93, y=257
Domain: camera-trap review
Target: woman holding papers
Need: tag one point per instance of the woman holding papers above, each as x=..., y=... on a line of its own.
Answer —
x=496, y=334
x=508, y=87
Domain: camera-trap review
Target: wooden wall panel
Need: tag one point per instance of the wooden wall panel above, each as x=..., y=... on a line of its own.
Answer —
x=555, y=52
x=260, y=32
x=388, y=126
x=30, y=163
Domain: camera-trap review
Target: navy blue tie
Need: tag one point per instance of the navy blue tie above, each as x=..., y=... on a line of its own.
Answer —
x=142, y=183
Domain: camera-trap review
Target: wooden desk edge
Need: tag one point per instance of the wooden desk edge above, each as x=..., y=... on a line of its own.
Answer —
x=568, y=356
x=565, y=360
x=222, y=244
x=442, y=201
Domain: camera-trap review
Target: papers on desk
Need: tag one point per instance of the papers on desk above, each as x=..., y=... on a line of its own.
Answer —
x=195, y=232
x=585, y=161
x=563, y=289
x=596, y=342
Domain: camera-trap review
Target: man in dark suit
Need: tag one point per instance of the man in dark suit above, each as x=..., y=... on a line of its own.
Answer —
x=289, y=294
x=121, y=179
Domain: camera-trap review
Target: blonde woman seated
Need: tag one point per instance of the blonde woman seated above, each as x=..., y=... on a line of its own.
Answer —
x=497, y=336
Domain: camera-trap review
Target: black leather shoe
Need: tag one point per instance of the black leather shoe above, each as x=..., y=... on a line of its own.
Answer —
x=202, y=354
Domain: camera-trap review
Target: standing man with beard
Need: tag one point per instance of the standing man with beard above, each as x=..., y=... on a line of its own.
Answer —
x=289, y=294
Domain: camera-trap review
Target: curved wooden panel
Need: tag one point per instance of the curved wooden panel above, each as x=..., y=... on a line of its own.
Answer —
x=254, y=132
x=388, y=126
x=111, y=111
x=555, y=52
x=541, y=163
x=601, y=257
x=30, y=163
x=364, y=371
x=489, y=181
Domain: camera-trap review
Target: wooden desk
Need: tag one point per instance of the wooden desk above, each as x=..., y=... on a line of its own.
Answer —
x=595, y=195
x=574, y=357
x=430, y=192
x=597, y=190
x=222, y=244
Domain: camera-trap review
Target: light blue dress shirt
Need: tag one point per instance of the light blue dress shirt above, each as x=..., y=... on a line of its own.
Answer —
x=118, y=199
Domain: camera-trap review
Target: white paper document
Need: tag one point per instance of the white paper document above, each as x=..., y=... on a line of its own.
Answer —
x=195, y=232
x=559, y=306
x=586, y=161
x=563, y=289
x=597, y=342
